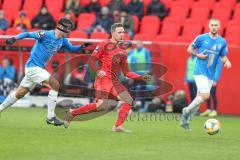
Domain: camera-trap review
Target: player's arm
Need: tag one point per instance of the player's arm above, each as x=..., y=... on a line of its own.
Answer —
x=224, y=58
x=133, y=75
x=74, y=48
x=192, y=49
x=94, y=61
x=226, y=62
x=35, y=35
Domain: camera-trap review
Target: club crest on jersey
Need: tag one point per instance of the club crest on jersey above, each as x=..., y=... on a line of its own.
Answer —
x=96, y=49
x=219, y=46
x=40, y=34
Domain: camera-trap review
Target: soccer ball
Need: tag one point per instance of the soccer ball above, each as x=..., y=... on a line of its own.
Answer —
x=212, y=126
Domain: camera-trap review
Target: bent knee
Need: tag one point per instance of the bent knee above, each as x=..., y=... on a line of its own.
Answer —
x=54, y=84
x=21, y=93
x=205, y=96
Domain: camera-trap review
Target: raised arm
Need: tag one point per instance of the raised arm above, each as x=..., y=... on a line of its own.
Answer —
x=35, y=35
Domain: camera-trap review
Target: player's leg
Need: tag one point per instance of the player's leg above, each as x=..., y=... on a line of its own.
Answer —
x=22, y=90
x=103, y=105
x=208, y=110
x=214, y=98
x=127, y=103
x=54, y=86
x=204, y=88
x=13, y=97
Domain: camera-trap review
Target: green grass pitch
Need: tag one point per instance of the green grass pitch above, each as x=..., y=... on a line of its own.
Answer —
x=24, y=135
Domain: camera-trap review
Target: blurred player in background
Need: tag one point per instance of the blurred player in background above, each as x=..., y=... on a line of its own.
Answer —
x=47, y=44
x=108, y=60
x=208, y=48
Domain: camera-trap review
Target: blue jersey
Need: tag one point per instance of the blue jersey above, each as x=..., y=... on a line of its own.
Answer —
x=213, y=49
x=45, y=47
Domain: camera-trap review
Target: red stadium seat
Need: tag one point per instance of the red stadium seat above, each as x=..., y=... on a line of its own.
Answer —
x=192, y=21
x=185, y=39
x=182, y=3
x=136, y=23
x=232, y=3
x=232, y=31
x=223, y=5
x=223, y=14
x=192, y=30
x=104, y=2
x=54, y=7
x=99, y=35
x=233, y=41
x=85, y=20
x=84, y=3
x=170, y=29
x=204, y=3
x=204, y=13
x=180, y=12
x=236, y=14
x=150, y=24
x=126, y=2
x=11, y=5
x=234, y=22
x=144, y=37
x=164, y=38
x=32, y=7
x=174, y=20
x=78, y=34
x=13, y=31
x=9, y=17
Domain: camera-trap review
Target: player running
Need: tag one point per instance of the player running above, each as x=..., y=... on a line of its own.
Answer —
x=46, y=45
x=107, y=60
x=208, y=48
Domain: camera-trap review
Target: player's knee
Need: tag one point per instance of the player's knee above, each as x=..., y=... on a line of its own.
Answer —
x=130, y=101
x=205, y=96
x=54, y=84
x=21, y=93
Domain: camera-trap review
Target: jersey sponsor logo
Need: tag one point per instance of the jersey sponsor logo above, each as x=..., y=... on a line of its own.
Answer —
x=214, y=48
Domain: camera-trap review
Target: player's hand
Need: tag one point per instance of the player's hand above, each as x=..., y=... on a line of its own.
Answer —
x=146, y=77
x=202, y=55
x=10, y=41
x=101, y=74
x=227, y=64
x=85, y=45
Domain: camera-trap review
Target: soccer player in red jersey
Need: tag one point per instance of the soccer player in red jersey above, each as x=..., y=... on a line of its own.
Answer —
x=108, y=60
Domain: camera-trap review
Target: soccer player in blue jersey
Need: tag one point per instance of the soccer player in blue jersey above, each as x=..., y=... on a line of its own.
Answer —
x=208, y=48
x=47, y=44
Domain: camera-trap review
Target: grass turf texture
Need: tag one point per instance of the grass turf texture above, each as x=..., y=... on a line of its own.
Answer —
x=24, y=135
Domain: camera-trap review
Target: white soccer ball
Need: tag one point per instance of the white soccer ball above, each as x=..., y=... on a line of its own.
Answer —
x=212, y=126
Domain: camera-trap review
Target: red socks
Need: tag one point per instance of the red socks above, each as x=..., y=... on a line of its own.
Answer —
x=92, y=107
x=123, y=113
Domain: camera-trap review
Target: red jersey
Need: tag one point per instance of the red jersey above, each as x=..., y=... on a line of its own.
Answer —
x=111, y=59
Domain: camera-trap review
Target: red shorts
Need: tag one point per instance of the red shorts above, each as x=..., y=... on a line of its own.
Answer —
x=105, y=88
